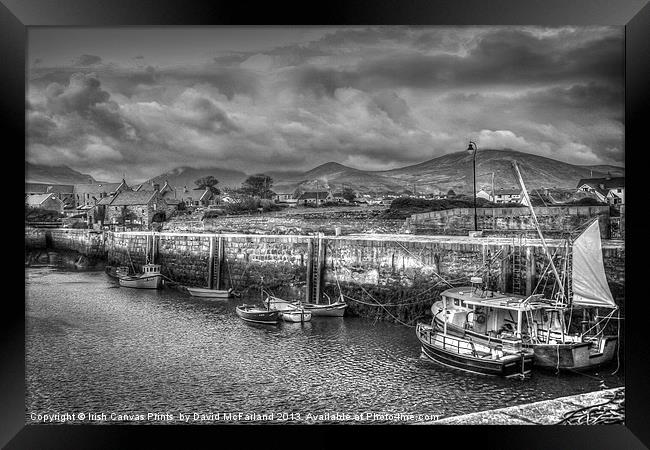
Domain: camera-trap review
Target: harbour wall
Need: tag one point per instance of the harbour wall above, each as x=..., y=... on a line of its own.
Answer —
x=386, y=277
x=553, y=220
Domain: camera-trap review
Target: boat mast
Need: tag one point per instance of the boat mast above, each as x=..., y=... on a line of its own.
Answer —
x=539, y=231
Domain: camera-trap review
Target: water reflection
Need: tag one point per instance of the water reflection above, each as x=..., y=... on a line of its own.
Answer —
x=93, y=346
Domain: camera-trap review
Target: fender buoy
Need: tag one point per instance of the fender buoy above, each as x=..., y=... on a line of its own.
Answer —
x=480, y=318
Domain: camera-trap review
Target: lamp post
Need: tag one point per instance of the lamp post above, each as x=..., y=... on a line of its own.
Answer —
x=473, y=149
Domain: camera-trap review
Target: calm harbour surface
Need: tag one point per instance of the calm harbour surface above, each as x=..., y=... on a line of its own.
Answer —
x=119, y=354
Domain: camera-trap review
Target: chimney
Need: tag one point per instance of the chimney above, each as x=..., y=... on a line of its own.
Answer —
x=156, y=187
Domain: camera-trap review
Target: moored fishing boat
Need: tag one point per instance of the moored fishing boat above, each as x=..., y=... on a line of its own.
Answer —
x=257, y=314
x=150, y=278
x=543, y=324
x=210, y=293
x=483, y=358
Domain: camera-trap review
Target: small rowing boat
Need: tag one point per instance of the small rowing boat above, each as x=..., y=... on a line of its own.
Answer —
x=289, y=311
x=252, y=313
x=210, y=293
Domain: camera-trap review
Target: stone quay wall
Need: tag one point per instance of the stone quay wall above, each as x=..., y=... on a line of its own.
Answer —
x=383, y=277
x=86, y=242
x=553, y=220
x=305, y=222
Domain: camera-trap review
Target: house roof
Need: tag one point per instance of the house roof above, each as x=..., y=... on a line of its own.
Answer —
x=128, y=198
x=97, y=188
x=38, y=199
x=105, y=201
x=512, y=191
x=150, y=187
x=607, y=183
x=314, y=195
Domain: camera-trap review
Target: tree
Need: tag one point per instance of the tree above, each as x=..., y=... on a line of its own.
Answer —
x=258, y=185
x=451, y=193
x=209, y=182
x=348, y=194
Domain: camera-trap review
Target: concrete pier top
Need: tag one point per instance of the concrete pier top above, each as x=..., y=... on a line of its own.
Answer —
x=546, y=412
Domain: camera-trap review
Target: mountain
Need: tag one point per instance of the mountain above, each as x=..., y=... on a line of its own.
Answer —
x=614, y=171
x=185, y=176
x=454, y=171
x=333, y=176
x=35, y=173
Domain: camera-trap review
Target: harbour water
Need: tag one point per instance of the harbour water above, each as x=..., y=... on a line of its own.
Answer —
x=127, y=355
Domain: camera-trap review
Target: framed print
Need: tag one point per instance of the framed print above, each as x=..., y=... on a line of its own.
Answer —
x=361, y=217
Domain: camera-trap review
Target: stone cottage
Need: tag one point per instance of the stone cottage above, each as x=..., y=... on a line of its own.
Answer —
x=142, y=206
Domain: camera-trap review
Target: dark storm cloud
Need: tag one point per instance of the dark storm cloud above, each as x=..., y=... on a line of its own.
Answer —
x=208, y=116
x=373, y=98
x=514, y=58
x=82, y=93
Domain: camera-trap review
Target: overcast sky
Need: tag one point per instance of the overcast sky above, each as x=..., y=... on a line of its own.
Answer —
x=142, y=101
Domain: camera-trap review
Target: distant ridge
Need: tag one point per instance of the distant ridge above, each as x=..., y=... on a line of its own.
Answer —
x=35, y=173
x=451, y=171
x=454, y=171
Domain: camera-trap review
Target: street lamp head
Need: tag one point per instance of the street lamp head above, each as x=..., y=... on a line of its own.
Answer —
x=471, y=147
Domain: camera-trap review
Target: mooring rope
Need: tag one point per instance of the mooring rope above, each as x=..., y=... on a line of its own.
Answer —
x=610, y=412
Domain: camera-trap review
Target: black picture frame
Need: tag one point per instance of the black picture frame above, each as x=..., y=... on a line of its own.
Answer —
x=17, y=15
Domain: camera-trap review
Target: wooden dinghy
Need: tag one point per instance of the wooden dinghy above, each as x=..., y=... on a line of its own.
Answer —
x=289, y=312
x=210, y=293
x=252, y=313
x=336, y=309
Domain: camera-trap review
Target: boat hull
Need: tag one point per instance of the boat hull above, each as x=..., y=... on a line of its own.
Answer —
x=210, y=293
x=332, y=310
x=257, y=315
x=570, y=356
x=142, y=282
x=580, y=356
x=295, y=316
x=508, y=366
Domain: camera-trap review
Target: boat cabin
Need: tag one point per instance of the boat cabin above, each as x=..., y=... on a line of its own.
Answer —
x=150, y=269
x=498, y=315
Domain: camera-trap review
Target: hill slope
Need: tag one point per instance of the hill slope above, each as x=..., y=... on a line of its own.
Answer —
x=35, y=173
x=454, y=171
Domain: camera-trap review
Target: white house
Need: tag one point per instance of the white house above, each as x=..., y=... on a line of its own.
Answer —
x=484, y=194
x=512, y=195
x=609, y=189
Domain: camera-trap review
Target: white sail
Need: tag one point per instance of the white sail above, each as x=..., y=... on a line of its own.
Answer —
x=590, y=286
